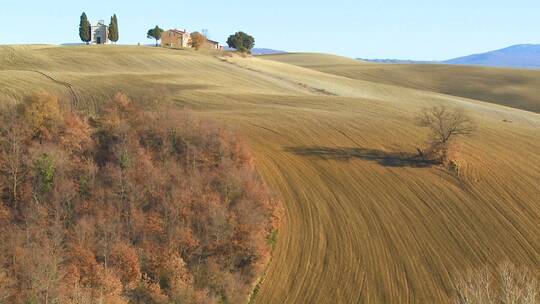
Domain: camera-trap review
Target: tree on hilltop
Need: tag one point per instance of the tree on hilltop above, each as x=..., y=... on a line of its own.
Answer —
x=197, y=40
x=155, y=33
x=241, y=41
x=113, y=29
x=85, y=29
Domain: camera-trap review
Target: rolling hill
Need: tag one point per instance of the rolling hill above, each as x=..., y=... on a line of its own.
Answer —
x=510, y=87
x=361, y=226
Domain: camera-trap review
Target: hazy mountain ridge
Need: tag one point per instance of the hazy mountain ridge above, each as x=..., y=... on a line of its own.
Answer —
x=397, y=61
x=516, y=56
x=260, y=51
x=265, y=51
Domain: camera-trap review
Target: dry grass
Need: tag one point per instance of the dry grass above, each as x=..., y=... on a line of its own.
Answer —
x=510, y=87
x=361, y=224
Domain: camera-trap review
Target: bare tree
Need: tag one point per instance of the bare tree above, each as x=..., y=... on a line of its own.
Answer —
x=517, y=285
x=511, y=284
x=475, y=286
x=445, y=124
x=6, y=284
x=11, y=150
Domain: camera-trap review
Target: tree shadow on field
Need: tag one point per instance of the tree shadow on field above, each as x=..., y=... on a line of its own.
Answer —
x=387, y=159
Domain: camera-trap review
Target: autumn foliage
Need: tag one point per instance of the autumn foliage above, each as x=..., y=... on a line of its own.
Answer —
x=132, y=206
x=197, y=40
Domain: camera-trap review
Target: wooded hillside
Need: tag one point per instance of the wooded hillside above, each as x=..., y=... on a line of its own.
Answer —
x=134, y=205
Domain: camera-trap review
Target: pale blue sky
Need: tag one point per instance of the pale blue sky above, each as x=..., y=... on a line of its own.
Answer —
x=414, y=29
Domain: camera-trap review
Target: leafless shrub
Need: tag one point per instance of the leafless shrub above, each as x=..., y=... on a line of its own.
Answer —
x=475, y=287
x=198, y=40
x=445, y=125
x=517, y=285
x=510, y=285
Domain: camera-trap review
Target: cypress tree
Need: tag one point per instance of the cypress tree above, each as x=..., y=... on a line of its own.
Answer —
x=113, y=29
x=85, y=29
x=110, y=35
x=117, y=32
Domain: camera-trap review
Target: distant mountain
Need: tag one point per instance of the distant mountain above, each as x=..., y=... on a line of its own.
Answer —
x=260, y=51
x=397, y=61
x=263, y=51
x=516, y=56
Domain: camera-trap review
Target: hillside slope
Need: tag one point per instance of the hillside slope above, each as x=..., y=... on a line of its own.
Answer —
x=362, y=224
x=510, y=87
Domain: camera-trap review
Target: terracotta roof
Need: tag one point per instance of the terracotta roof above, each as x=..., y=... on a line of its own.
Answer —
x=212, y=41
x=177, y=31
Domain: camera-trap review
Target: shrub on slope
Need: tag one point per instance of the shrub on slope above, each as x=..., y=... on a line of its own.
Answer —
x=505, y=284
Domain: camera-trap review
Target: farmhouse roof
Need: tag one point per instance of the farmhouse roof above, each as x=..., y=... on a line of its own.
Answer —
x=178, y=31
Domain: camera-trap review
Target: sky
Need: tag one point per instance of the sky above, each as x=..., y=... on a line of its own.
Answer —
x=413, y=29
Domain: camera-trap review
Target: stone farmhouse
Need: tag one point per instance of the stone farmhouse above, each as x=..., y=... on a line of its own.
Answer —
x=175, y=39
x=181, y=39
x=214, y=45
x=100, y=33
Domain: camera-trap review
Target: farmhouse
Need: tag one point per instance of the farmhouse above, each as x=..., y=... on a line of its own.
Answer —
x=100, y=33
x=214, y=44
x=175, y=39
x=182, y=39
